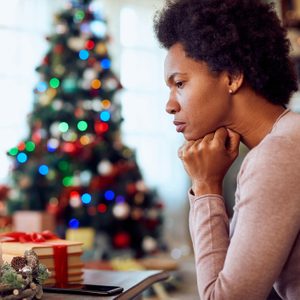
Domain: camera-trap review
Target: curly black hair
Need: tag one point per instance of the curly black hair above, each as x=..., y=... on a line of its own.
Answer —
x=238, y=36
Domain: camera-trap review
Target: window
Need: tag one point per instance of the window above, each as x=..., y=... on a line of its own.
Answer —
x=23, y=27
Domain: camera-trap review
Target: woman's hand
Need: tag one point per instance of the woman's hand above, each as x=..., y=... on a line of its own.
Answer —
x=207, y=160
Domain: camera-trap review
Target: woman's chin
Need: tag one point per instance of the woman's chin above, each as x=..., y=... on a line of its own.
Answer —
x=192, y=137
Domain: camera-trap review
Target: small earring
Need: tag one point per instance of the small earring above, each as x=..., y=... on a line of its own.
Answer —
x=230, y=91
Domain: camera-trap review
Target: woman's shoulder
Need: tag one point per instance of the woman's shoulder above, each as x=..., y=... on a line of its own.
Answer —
x=276, y=152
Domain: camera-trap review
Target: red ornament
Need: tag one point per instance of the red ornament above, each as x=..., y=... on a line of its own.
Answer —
x=101, y=127
x=69, y=148
x=121, y=240
x=21, y=146
x=102, y=208
x=89, y=44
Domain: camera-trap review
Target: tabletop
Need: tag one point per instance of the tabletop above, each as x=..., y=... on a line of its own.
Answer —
x=133, y=283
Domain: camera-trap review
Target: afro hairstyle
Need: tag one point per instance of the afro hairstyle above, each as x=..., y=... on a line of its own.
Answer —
x=237, y=36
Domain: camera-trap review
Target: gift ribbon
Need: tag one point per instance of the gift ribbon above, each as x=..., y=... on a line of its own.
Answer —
x=24, y=237
x=59, y=251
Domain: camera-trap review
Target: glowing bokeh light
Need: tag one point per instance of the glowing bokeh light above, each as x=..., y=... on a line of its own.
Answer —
x=82, y=125
x=52, y=145
x=13, y=151
x=86, y=198
x=105, y=63
x=120, y=199
x=102, y=208
x=106, y=104
x=22, y=157
x=63, y=127
x=74, y=223
x=90, y=44
x=54, y=82
x=43, y=170
x=21, y=146
x=30, y=146
x=79, y=15
x=105, y=116
x=41, y=86
x=109, y=195
x=67, y=181
x=84, y=54
x=96, y=84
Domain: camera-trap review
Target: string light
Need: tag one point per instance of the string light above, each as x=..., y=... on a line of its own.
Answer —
x=43, y=170
x=96, y=84
x=84, y=54
x=41, y=86
x=13, y=151
x=54, y=82
x=98, y=28
x=105, y=116
x=86, y=198
x=105, y=63
x=109, y=195
x=22, y=157
x=67, y=181
x=79, y=15
x=63, y=127
x=106, y=104
x=120, y=199
x=21, y=146
x=75, y=199
x=101, y=127
x=82, y=125
x=52, y=145
x=102, y=208
x=74, y=223
x=30, y=146
x=68, y=147
x=85, y=140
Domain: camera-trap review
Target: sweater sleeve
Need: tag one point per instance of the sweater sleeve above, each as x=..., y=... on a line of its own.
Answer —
x=246, y=266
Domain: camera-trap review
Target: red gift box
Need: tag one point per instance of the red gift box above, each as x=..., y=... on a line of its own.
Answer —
x=47, y=246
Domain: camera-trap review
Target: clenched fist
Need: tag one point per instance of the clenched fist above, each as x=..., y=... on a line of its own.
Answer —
x=207, y=160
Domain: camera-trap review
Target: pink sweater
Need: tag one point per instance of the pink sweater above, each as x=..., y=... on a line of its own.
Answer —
x=261, y=247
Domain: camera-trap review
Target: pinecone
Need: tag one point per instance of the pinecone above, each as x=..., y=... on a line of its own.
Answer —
x=18, y=262
x=32, y=260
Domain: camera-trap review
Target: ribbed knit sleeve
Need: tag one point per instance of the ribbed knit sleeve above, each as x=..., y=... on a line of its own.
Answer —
x=267, y=216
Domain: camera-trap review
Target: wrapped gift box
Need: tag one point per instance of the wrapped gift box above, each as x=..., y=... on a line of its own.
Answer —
x=62, y=257
x=33, y=221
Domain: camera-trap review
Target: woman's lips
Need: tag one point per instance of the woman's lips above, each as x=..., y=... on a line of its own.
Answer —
x=180, y=126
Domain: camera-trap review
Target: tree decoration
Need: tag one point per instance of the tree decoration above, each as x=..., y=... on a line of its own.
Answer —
x=23, y=277
x=73, y=163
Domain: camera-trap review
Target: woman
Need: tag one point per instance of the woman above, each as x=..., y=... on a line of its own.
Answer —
x=230, y=78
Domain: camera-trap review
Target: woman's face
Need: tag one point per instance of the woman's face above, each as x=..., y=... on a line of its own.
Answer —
x=199, y=100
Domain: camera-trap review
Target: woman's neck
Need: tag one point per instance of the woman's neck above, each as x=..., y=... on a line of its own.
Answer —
x=253, y=117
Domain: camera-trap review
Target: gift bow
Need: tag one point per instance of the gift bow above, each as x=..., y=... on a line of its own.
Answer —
x=24, y=237
x=59, y=251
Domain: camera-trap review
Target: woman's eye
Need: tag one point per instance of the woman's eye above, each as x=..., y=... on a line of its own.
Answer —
x=179, y=84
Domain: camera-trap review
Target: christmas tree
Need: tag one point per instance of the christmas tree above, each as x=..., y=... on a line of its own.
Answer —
x=73, y=163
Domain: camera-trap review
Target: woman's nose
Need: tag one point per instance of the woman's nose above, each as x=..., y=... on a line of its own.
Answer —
x=172, y=106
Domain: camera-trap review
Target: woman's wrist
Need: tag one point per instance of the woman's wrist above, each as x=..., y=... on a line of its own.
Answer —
x=204, y=188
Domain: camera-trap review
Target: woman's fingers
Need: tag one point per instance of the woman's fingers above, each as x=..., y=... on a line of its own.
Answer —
x=233, y=141
x=221, y=136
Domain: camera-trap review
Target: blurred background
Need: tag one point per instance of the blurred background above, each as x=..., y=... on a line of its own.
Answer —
x=30, y=31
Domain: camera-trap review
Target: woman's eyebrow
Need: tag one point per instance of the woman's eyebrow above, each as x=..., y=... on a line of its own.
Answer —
x=171, y=76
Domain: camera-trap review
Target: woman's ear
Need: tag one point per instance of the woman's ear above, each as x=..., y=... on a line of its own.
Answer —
x=234, y=82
